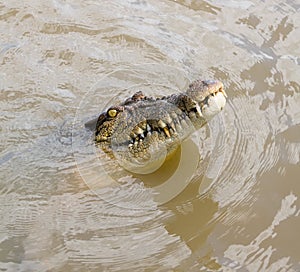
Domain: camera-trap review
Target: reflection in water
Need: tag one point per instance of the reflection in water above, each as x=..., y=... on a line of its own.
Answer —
x=287, y=209
x=62, y=63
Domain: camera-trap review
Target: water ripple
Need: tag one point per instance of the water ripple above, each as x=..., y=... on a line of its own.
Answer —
x=60, y=57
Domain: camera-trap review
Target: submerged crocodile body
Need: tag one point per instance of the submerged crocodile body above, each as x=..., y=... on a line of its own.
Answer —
x=142, y=131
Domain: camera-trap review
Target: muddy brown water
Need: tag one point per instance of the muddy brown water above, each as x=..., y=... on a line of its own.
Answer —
x=233, y=204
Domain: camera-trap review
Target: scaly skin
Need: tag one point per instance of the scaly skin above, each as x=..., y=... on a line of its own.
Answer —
x=143, y=130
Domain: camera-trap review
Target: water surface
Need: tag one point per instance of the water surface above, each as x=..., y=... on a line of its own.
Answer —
x=65, y=208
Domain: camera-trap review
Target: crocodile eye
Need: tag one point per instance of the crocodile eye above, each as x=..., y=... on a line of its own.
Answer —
x=112, y=113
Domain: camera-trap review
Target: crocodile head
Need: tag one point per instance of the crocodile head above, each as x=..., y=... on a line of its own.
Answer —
x=142, y=131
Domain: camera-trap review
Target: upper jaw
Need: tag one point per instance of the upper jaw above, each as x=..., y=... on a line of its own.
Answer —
x=199, y=90
x=215, y=87
x=210, y=98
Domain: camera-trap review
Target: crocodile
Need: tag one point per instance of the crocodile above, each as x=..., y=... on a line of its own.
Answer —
x=143, y=131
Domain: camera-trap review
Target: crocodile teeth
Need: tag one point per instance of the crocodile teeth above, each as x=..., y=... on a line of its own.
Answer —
x=133, y=135
x=170, y=120
x=138, y=131
x=167, y=132
x=172, y=126
x=199, y=110
x=164, y=126
x=223, y=92
x=161, y=124
x=143, y=125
